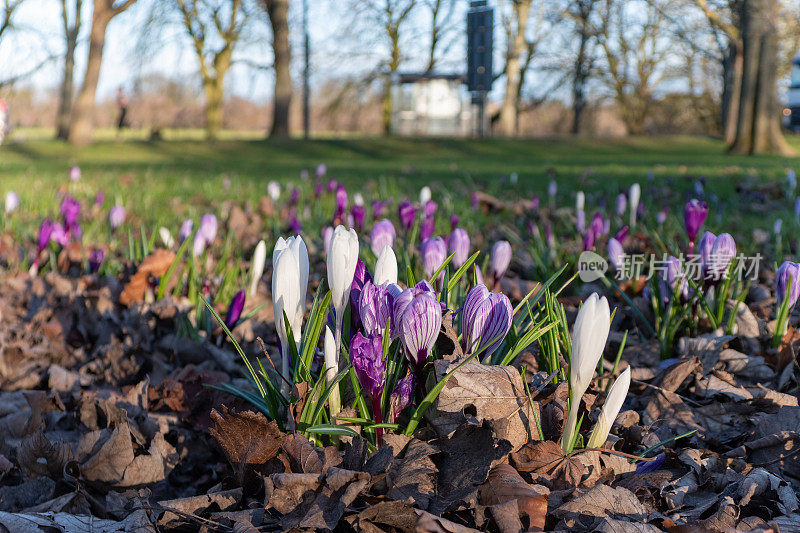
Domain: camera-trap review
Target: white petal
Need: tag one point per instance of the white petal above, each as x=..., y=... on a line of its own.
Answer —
x=386, y=267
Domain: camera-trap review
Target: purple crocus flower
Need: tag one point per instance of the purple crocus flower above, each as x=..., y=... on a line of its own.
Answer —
x=787, y=276
x=295, y=227
x=722, y=253
x=597, y=225
x=454, y=220
x=499, y=259
x=318, y=189
x=419, y=325
x=295, y=196
x=378, y=208
x=45, y=232
x=186, y=230
x=622, y=204
x=621, y=233
x=234, y=310
x=407, y=213
x=645, y=467
x=375, y=308
x=580, y=221
x=359, y=213
x=116, y=216
x=70, y=211
x=404, y=298
x=198, y=244
x=616, y=254
x=401, y=396
x=321, y=171
x=383, y=234
x=95, y=260
x=208, y=228
x=661, y=216
x=427, y=228
x=434, y=253
x=366, y=356
x=59, y=235
x=75, y=173
x=99, y=198
x=797, y=207
x=360, y=278
x=341, y=199
x=332, y=184
x=485, y=320
x=704, y=250
x=588, y=240
x=694, y=214
x=535, y=204
x=430, y=208
x=458, y=245
x=552, y=189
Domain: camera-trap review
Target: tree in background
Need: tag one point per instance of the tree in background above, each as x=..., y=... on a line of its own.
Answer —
x=758, y=129
x=9, y=6
x=581, y=12
x=278, y=13
x=71, y=24
x=441, y=30
x=635, y=52
x=80, y=132
x=515, y=23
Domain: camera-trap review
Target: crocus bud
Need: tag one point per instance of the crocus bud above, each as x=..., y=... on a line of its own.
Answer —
x=633, y=198
x=622, y=204
x=552, y=189
x=321, y=170
x=366, y=356
x=401, y=396
x=704, y=250
x=500, y=258
x=616, y=254
x=234, y=310
x=186, y=230
x=327, y=235
x=580, y=221
x=289, y=286
x=59, y=235
x=378, y=209
x=257, y=266
x=434, y=253
x=787, y=276
x=621, y=233
x=453, y=221
x=95, y=260
x=198, y=244
x=776, y=227
x=580, y=201
x=166, y=237
x=75, y=173
x=386, y=267
x=375, y=308
x=458, y=246
x=383, y=234
x=616, y=397
x=332, y=184
x=485, y=320
x=661, y=217
x=419, y=325
x=116, y=216
x=208, y=228
x=274, y=190
x=45, y=232
x=694, y=214
x=407, y=213
x=424, y=195
x=597, y=225
x=12, y=202
x=722, y=253
x=589, y=335
x=359, y=213
x=342, y=259
x=427, y=228
x=341, y=198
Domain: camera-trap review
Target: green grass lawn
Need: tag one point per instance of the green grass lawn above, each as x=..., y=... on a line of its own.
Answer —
x=182, y=175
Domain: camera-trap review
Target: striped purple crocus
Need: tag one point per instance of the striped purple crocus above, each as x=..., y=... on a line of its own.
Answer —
x=458, y=245
x=407, y=213
x=375, y=307
x=434, y=253
x=419, y=319
x=787, y=276
x=485, y=320
x=383, y=234
x=401, y=396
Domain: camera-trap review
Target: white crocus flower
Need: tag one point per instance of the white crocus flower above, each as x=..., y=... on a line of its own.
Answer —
x=274, y=190
x=616, y=397
x=580, y=201
x=257, y=266
x=289, y=286
x=386, y=267
x=424, y=195
x=633, y=199
x=589, y=335
x=342, y=260
x=166, y=237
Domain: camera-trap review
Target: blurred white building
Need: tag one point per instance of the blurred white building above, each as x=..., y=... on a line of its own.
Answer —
x=430, y=104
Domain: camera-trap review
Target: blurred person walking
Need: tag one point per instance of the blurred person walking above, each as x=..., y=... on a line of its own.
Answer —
x=122, y=103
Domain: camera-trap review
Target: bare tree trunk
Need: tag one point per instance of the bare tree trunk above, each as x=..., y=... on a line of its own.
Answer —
x=516, y=45
x=67, y=90
x=394, y=65
x=278, y=12
x=731, y=90
x=758, y=122
x=579, y=83
x=80, y=132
